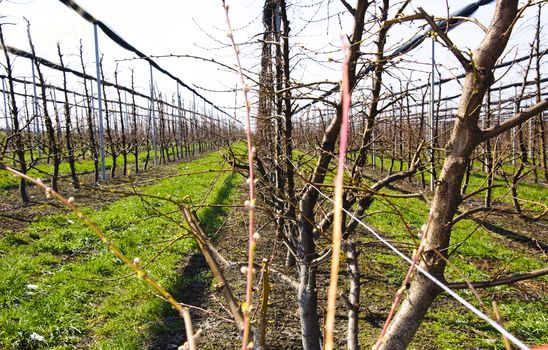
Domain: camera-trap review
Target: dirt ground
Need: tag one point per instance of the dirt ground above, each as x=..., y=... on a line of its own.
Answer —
x=14, y=215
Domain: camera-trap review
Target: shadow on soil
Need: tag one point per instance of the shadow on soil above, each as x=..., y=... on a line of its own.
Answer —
x=194, y=280
x=514, y=236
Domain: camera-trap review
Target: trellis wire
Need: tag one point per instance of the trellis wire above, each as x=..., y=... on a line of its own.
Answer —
x=449, y=291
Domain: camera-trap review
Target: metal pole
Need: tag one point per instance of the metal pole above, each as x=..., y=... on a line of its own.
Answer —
x=6, y=112
x=431, y=122
x=153, y=116
x=100, y=104
x=180, y=121
x=35, y=111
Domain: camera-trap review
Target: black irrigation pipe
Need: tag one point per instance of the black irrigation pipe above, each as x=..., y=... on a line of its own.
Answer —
x=386, y=116
x=460, y=76
x=124, y=44
x=444, y=25
x=170, y=116
x=494, y=89
x=47, y=63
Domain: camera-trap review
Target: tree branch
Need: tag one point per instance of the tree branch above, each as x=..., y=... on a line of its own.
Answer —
x=500, y=281
x=450, y=45
x=515, y=120
x=349, y=7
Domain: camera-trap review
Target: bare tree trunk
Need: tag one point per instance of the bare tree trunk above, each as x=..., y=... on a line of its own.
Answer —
x=135, y=133
x=353, y=299
x=53, y=146
x=68, y=125
x=110, y=139
x=288, y=132
x=465, y=136
x=124, y=149
x=91, y=131
x=307, y=294
x=488, y=158
x=18, y=138
x=540, y=120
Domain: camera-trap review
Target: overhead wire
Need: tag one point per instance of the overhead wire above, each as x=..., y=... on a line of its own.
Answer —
x=126, y=45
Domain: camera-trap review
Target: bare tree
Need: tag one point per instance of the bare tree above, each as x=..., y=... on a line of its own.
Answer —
x=50, y=130
x=18, y=138
x=465, y=137
x=68, y=126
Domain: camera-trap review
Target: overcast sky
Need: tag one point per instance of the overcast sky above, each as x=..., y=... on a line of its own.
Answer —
x=198, y=28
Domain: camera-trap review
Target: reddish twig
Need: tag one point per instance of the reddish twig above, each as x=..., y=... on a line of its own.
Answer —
x=337, y=217
x=250, y=204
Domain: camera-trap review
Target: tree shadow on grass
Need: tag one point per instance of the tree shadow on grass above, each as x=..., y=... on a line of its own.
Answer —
x=514, y=236
x=194, y=278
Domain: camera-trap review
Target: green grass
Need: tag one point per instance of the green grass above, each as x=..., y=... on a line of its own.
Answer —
x=79, y=296
x=42, y=170
x=527, y=190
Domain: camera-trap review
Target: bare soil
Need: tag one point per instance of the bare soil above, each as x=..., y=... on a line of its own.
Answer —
x=15, y=215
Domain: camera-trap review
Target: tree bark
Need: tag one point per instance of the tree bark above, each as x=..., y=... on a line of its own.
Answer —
x=353, y=300
x=465, y=136
x=18, y=138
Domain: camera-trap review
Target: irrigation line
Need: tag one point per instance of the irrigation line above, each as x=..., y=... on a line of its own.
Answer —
x=460, y=76
x=445, y=25
x=449, y=291
x=112, y=101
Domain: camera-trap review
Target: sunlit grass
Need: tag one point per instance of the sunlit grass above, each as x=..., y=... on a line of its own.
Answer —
x=60, y=282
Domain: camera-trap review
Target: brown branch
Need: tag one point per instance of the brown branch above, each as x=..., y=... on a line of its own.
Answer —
x=274, y=273
x=211, y=256
x=517, y=119
x=500, y=281
x=471, y=194
x=472, y=211
x=349, y=7
x=448, y=42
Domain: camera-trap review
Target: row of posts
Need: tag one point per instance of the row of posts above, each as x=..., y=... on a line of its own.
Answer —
x=35, y=106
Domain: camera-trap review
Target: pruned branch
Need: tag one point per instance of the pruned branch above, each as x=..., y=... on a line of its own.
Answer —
x=349, y=7
x=500, y=281
x=517, y=119
x=448, y=42
x=212, y=258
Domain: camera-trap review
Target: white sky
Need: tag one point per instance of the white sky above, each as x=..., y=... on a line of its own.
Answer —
x=193, y=27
